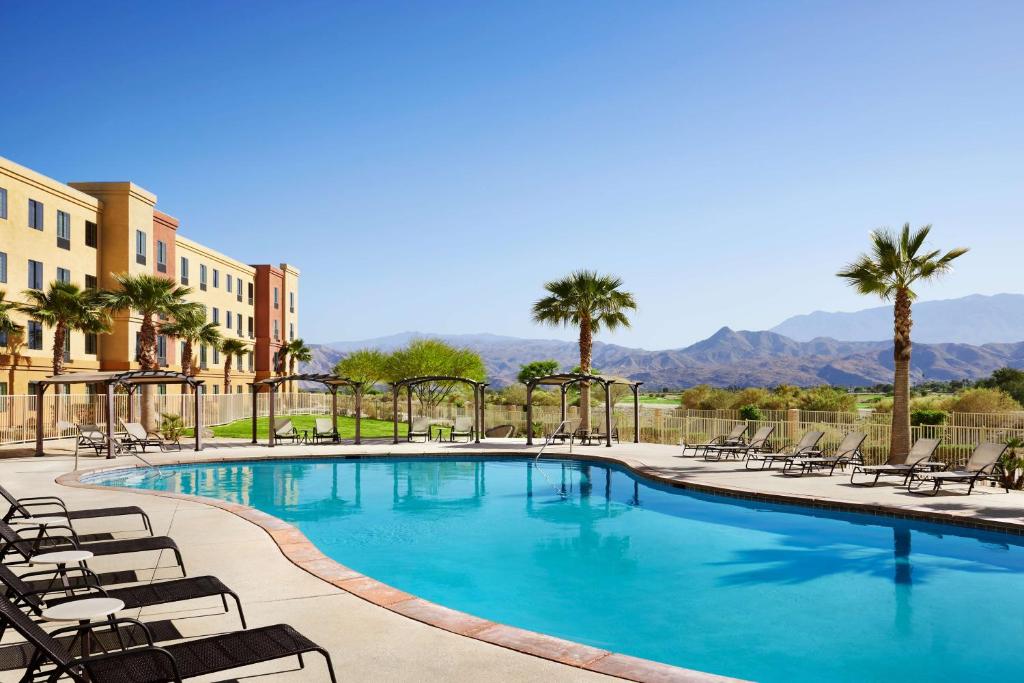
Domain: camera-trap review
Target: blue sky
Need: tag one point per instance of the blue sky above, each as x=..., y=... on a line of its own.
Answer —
x=429, y=165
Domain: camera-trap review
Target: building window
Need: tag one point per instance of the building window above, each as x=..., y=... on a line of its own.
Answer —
x=90, y=343
x=227, y=281
x=91, y=234
x=277, y=330
x=238, y=324
x=202, y=357
x=35, y=214
x=3, y=203
x=291, y=330
x=250, y=361
x=276, y=302
x=140, y=247
x=35, y=274
x=184, y=271
x=67, y=348
x=291, y=302
x=63, y=275
x=229, y=319
x=216, y=356
x=35, y=335
x=239, y=389
x=238, y=289
x=161, y=389
x=3, y=266
x=202, y=276
x=250, y=327
x=161, y=256
x=90, y=282
x=3, y=388
x=216, y=278
x=161, y=350
x=250, y=294
x=216, y=316
x=276, y=357
x=63, y=230
x=216, y=389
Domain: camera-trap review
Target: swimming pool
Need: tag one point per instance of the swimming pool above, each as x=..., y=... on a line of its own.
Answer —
x=755, y=590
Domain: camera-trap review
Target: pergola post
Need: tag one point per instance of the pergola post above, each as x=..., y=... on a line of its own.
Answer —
x=608, y=413
x=270, y=426
x=359, y=411
x=477, y=400
x=40, y=390
x=483, y=414
x=131, y=402
x=408, y=406
x=200, y=391
x=255, y=409
x=562, y=390
x=636, y=413
x=394, y=409
x=529, y=413
x=334, y=413
x=110, y=419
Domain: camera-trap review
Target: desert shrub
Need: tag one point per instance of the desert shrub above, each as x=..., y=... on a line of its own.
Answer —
x=172, y=427
x=983, y=400
x=782, y=397
x=751, y=412
x=751, y=396
x=923, y=416
x=1012, y=464
x=828, y=399
x=705, y=397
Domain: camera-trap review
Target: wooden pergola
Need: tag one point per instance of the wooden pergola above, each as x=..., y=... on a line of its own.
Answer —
x=130, y=380
x=332, y=382
x=410, y=382
x=567, y=379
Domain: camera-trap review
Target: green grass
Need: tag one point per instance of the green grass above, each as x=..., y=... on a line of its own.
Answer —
x=660, y=400
x=242, y=429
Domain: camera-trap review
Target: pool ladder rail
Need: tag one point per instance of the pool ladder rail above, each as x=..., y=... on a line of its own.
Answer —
x=560, y=490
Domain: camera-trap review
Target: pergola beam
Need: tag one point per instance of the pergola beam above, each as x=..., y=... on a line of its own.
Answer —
x=410, y=382
x=564, y=380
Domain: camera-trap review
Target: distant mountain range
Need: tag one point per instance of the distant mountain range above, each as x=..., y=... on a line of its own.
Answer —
x=745, y=358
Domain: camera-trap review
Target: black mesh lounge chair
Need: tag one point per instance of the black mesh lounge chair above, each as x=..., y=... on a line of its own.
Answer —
x=52, y=505
x=136, y=436
x=463, y=427
x=55, y=541
x=983, y=464
x=920, y=456
x=133, y=597
x=733, y=438
x=91, y=436
x=758, y=443
x=598, y=435
x=323, y=430
x=848, y=452
x=806, y=447
x=566, y=431
x=155, y=664
x=284, y=430
x=420, y=427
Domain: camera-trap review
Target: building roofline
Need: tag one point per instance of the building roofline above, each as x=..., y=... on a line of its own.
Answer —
x=30, y=177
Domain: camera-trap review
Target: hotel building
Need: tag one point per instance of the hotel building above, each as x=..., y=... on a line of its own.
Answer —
x=84, y=232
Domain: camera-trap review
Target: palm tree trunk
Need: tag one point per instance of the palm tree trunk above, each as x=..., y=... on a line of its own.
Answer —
x=147, y=361
x=291, y=371
x=227, y=374
x=60, y=333
x=900, y=443
x=586, y=351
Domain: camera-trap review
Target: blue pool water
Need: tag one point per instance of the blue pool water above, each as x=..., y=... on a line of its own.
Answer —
x=758, y=591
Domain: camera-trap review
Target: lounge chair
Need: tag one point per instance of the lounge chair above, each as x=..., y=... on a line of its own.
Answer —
x=91, y=436
x=566, y=431
x=983, y=464
x=919, y=456
x=323, y=430
x=149, y=663
x=733, y=438
x=463, y=427
x=806, y=447
x=23, y=508
x=133, y=597
x=54, y=541
x=136, y=436
x=420, y=427
x=848, y=451
x=598, y=435
x=759, y=442
x=284, y=430
x=500, y=432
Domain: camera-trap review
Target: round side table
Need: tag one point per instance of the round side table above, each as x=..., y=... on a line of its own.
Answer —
x=85, y=611
x=61, y=560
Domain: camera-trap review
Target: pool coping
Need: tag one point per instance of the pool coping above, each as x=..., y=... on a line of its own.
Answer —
x=299, y=550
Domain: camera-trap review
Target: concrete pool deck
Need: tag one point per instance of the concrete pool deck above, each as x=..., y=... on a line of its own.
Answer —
x=375, y=632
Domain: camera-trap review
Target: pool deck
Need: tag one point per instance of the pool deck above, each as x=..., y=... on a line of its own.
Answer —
x=378, y=633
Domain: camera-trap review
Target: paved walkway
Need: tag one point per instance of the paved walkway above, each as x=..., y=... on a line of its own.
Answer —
x=367, y=642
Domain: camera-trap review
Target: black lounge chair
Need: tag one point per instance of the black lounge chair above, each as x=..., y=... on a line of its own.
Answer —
x=982, y=465
x=284, y=430
x=133, y=597
x=919, y=457
x=733, y=438
x=22, y=508
x=53, y=541
x=847, y=452
x=91, y=436
x=566, y=431
x=758, y=443
x=806, y=447
x=136, y=436
x=151, y=663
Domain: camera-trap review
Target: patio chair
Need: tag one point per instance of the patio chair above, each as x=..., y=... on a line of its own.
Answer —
x=982, y=465
x=133, y=597
x=733, y=438
x=566, y=431
x=758, y=443
x=420, y=427
x=52, y=541
x=501, y=432
x=323, y=430
x=463, y=427
x=284, y=430
x=149, y=663
x=137, y=436
x=848, y=452
x=919, y=456
x=22, y=508
x=91, y=436
x=806, y=447
x=598, y=435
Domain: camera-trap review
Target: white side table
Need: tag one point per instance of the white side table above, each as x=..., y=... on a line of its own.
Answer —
x=61, y=560
x=85, y=611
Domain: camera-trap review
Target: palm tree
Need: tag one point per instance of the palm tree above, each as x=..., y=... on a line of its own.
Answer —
x=151, y=296
x=65, y=307
x=591, y=302
x=896, y=261
x=231, y=347
x=11, y=332
x=297, y=352
x=191, y=326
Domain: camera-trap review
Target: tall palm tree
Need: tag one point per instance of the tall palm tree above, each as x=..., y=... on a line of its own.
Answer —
x=151, y=296
x=298, y=352
x=897, y=260
x=12, y=333
x=592, y=302
x=65, y=307
x=231, y=347
x=191, y=326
